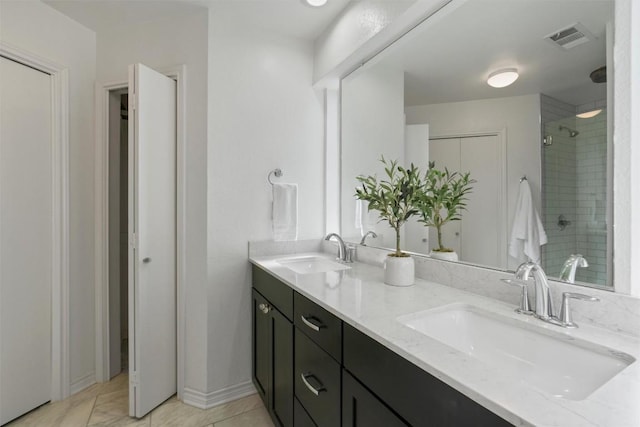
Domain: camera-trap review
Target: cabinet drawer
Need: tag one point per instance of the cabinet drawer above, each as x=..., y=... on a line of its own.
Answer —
x=322, y=327
x=317, y=382
x=414, y=394
x=278, y=293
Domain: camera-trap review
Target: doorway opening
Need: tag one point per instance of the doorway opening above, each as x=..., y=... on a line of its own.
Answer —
x=118, y=232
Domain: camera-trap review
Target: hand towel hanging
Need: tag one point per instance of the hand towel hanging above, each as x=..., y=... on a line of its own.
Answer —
x=285, y=212
x=527, y=233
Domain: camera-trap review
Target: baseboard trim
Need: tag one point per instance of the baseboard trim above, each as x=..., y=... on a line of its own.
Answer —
x=209, y=400
x=82, y=383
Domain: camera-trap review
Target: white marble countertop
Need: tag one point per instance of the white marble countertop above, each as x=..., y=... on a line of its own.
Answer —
x=359, y=297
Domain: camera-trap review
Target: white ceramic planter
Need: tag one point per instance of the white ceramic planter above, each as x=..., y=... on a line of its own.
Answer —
x=399, y=271
x=447, y=256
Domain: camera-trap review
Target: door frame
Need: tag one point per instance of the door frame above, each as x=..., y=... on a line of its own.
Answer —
x=60, y=379
x=502, y=191
x=178, y=73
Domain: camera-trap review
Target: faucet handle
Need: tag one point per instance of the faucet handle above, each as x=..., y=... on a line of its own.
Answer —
x=565, y=312
x=350, y=254
x=524, y=308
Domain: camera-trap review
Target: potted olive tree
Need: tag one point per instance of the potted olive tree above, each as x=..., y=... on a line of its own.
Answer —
x=442, y=200
x=394, y=199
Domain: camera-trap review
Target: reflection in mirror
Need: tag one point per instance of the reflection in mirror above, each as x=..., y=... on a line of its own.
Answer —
x=426, y=98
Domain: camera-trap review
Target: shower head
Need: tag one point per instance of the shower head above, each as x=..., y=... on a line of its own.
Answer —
x=572, y=132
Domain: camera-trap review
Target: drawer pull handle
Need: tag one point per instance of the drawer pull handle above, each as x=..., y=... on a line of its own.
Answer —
x=265, y=308
x=311, y=324
x=313, y=390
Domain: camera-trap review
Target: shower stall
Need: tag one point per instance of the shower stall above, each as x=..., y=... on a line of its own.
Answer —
x=575, y=190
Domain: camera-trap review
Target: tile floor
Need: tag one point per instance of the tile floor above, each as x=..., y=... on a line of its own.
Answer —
x=107, y=404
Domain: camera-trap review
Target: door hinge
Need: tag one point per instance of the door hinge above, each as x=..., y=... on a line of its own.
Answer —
x=133, y=240
x=133, y=378
x=133, y=101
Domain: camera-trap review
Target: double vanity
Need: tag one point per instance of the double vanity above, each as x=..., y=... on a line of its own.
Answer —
x=335, y=346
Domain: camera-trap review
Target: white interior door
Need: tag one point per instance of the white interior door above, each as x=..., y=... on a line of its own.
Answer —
x=26, y=236
x=152, y=228
x=416, y=150
x=480, y=237
x=482, y=230
x=446, y=154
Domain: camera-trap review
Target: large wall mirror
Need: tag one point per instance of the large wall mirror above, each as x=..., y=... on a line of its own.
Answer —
x=426, y=98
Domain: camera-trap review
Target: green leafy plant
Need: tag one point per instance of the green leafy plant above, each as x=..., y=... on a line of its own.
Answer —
x=442, y=199
x=394, y=198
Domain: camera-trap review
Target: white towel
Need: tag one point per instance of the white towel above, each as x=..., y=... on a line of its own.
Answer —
x=285, y=212
x=365, y=219
x=527, y=233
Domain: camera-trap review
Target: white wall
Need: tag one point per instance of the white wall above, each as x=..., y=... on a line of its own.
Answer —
x=357, y=23
x=263, y=114
x=634, y=234
x=519, y=115
x=43, y=31
x=161, y=45
x=372, y=126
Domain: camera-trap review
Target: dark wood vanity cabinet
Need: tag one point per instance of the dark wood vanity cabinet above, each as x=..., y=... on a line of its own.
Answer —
x=272, y=342
x=415, y=395
x=324, y=373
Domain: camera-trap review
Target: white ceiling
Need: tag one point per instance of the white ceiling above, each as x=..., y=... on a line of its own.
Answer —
x=451, y=59
x=286, y=17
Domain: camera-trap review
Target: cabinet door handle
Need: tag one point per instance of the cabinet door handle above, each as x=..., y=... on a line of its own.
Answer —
x=313, y=390
x=309, y=323
x=265, y=308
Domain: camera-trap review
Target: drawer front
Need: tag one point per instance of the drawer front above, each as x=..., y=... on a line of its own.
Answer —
x=279, y=294
x=317, y=382
x=414, y=394
x=322, y=327
x=300, y=416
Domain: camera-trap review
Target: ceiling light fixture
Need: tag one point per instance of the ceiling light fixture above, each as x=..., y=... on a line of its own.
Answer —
x=503, y=78
x=588, y=114
x=316, y=3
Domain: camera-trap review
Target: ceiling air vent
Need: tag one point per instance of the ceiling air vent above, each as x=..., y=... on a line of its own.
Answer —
x=569, y=37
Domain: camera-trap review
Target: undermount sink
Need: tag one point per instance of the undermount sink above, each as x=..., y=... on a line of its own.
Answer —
x=553, y=363
x=311, y=265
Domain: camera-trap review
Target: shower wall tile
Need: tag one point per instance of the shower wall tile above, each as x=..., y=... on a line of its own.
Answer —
x=559, y=183
x=575, y=185
x=591, y=195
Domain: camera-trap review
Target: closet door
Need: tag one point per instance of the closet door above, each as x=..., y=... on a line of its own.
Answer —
x=482, y=229
x=152, y=227
x=25, y=239
x=446, y=154
x=480, y=237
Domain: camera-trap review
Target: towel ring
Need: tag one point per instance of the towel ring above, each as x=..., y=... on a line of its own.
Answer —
x=276, y=172
x=524, y=178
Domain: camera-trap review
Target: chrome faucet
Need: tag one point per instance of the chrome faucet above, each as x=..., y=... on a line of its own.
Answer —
x=543, y=305
x=364, y=238
x=568, y=272
x=342, y=248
